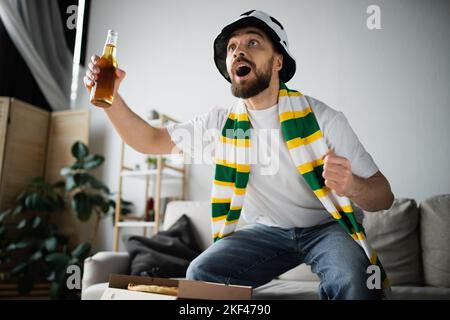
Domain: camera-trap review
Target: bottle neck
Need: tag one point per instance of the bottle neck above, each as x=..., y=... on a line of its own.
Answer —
x=111, y=39
x=110, y=44
x=109, y=50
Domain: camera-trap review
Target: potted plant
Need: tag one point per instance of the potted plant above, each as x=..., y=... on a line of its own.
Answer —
x=31, y=244
x=86, y=194
x=29, y=240
x=153, y=161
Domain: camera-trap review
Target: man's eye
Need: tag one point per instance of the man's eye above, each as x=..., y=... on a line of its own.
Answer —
x=253, y=43
x=231, y=47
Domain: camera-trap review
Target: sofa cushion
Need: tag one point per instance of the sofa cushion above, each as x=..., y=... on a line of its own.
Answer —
x=98, y=267
x=199, y=213
x=393, y=233
x=166, y=254
x=435, y=240
x=94, y=292
x=420, y=293
x=287, y=290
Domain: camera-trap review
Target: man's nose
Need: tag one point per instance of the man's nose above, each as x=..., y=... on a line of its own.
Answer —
x=239, y=52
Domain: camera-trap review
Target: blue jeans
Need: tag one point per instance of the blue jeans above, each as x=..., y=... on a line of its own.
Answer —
x=258, y=253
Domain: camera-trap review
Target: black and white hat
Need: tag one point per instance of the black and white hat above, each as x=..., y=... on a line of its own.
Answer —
x=270, y=26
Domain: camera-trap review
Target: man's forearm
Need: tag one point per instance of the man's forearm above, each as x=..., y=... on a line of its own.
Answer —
x=372, y=194
x=137, y=133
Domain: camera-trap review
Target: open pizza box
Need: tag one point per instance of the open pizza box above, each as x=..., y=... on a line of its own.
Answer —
x=187, y=289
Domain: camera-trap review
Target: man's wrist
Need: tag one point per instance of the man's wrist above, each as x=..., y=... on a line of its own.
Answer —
x=117, y=100
x=357, y=188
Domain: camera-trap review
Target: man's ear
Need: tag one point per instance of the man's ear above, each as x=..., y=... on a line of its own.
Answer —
x=278, y=63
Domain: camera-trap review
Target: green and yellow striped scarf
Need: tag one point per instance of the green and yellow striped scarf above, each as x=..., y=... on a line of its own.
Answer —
x=306, y=146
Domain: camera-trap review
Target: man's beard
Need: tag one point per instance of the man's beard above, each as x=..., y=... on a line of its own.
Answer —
x=253, y=87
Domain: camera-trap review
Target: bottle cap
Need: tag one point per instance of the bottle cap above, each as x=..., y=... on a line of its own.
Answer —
x=113, y=32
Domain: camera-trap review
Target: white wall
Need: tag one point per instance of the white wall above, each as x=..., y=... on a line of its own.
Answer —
x=392, y=84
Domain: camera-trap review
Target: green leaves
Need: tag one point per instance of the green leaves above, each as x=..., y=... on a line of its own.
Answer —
x=42, y=201
x=86, y=192
x=59, y=262
x=65, y=171
x=22, y=224
x=81, y=179
x=18, y=245
x=19, y=268
x=77, y=180
x=32, y=201
x=36, y=256
x=35, y=222
x=32, y=223
x=18, y=209
x=126, y=206
x=81, y=251
x=82, y=205
x=4, y=215
x=51, y=244
x=38, y=196
x=2, y=231
x=84, y=181
x=59, y=184
x=85, y=160
x=58, y=259
x=95, y=184
x=44, y=251
x=70, y=183
x=79, y=150
x=93, y=161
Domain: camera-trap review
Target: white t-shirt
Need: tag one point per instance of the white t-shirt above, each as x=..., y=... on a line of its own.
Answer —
x=277, y=195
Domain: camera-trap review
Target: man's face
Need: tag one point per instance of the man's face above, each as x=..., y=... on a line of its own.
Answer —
x=251, y=62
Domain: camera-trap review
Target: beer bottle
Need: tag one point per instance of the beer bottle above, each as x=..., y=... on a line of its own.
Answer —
x=103, y=90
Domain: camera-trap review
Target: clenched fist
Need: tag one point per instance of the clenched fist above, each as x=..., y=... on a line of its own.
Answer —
x=338, y=174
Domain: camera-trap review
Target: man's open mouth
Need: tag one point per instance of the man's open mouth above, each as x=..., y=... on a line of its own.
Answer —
x=242, y=68
x=242, y=71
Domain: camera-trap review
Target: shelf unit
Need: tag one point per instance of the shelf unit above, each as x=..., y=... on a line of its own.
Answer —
x=163, y=172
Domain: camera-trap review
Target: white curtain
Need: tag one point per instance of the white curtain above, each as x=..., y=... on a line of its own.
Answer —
x=37, y=31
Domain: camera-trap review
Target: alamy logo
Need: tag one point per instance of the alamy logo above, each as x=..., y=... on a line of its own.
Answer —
x=71, y=22
x=74, y=279
x=374, y=280
x=374, y=19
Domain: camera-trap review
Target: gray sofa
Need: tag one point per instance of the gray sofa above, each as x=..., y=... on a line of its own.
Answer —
x=412, y=242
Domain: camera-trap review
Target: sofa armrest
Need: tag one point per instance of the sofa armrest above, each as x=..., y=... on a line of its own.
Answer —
x=98, y=267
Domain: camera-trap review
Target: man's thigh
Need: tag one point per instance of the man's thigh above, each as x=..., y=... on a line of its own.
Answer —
x=251, y=256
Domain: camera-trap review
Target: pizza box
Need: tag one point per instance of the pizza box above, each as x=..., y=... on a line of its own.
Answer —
x=187, y=289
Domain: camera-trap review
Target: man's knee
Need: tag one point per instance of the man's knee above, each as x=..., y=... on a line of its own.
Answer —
x=347, y=283
x=194, y=271
x=204, y=269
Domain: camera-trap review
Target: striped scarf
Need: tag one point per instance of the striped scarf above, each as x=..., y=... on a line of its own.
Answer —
x=306, y=146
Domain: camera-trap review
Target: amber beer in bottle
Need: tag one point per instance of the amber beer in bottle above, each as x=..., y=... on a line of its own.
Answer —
x=103, y=91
